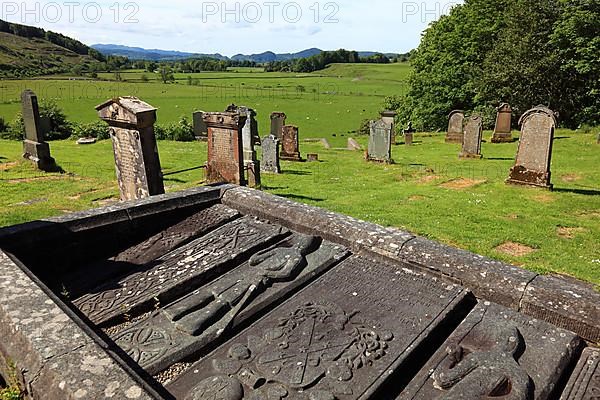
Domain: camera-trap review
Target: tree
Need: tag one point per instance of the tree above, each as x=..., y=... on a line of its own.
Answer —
x=166, y=74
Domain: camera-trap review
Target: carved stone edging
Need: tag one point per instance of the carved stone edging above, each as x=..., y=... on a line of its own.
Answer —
x=55, y=358
x=576, y=306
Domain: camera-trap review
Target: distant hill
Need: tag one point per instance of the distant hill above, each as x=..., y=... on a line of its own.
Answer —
x=137, y=53
x=30, y=51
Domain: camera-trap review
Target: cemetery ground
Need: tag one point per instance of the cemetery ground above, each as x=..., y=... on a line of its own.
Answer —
x=428, y=191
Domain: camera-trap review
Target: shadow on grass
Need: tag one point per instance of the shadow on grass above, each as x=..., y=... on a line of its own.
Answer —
x=562, y=137
x=299, y=197
x=585, y=192
x=3, y=158
x=266, y=187
x=500, y=158
x=293, y=172
x=176, y=180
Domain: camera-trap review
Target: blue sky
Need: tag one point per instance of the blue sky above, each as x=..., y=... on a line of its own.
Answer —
x=231, y=27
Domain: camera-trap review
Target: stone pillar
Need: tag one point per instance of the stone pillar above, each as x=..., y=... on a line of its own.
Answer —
x=250, y=139
x=471, y=147
x=455, y=127
x=270, y=155
x=277, y=123
x=290, y=144
x=532, y=166
x=225, y=154
x=408, y=139
x=131, y=124
x=389, y=117
x=35, y=149
x=200, y=129
x=503, y=129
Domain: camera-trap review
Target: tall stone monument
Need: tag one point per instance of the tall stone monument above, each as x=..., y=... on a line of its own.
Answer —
x=200, y=129
x=250, y=139
x=380, y=142
x=532, y=166
x=270, y=155
x=290, y=144
x=471, y=147
x=277, y=124
x=389, y=117
x=503, y=131
x=455, y=127
x=35, y=149
x=225, y=154
x=131, y=126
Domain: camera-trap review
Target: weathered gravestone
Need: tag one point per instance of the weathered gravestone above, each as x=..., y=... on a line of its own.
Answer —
x=455, y=127
x=503, y=129
x=532, y=166
x=408, y=138
x=270, y=155
x=353, y=145
x=585, y=381
x=250, y=139
x=131, y=126
x=380, y=142
x=336, y=339
x=200, y=128
x=312, y=157
x=471, y=146
x=497, y=353
x=35, y=149
x=389, y=117
x=225, y=154
x=277, y=124
x=290, y=144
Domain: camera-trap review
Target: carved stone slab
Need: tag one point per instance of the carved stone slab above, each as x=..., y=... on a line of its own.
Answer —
x=503, y=129
x=497, y=353
x=35, y=149
x=270, y=155
x=585, y=381
x=225, y=154
x=455, y=127
x=277, y=123
x=337, y=339
x=185, y=327
x=532, y=166
x=180, y=270
x=290, y=146
x=200, y=128
x=471, y=146
x=380, y=142
x=129, y=164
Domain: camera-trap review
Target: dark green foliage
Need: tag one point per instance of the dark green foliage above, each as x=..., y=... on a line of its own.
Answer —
x=60, y=127
x=365, y=127
x=98, y=130
x=3, y=125
x=322, y=60
x=183, y=131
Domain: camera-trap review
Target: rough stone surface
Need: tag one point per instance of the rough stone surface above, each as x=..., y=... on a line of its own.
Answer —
x=455, y=127
x=35, y=149
x=354, y=145
x=503, y=129
x=497, y=352
x=250, y=136
x=473, y=134
x=131, y=127
x=565, y=302
x=178, y=271
x=380, y=142
x=188, y=325
x=270, y=155
x=350, y=232
x=532, y=166
x=408, y=139
x=311, y=157
x=200, y=128
x=338, y=338
x=225, y=150
x=585, y=380
x=54, y=357
x=389, y=117
x=277, y=123
x=290, y=144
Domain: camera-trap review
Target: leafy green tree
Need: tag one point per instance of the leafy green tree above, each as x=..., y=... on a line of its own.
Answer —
x=166, y=74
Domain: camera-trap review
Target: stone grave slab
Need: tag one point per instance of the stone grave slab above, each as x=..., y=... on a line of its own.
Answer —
x=277, y=123
x=290, y=144
x=503, y=128
x=190, y=324
x=199, y=224
x=225, y=149
x=497, y=353
x=200, y=128
x=270, y=155
x=380, y=142
x=178, y=271
x=336, y=339
x=471, y=146
x=389, y=117
x=35, y=149
x=353, y=145
x=585, y=380
x=455, y=127
x=532, y=166
x=312, y=157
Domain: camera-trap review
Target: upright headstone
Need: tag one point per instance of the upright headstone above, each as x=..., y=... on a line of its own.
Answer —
x=131, y=126
x=532, y=166
x=277, y=124
x=312, y=157
x=200, y=129
x=250, y=136
x=471, y=147
x=35, y=148
x=503, y=131
x=270, y=155
x=290, y=144
x=408, y=139
x=225, y=155
x=380, y=142
x=455, y=127
x=389, y=117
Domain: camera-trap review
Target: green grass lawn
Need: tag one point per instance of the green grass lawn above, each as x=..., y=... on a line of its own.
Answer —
x=429, y=191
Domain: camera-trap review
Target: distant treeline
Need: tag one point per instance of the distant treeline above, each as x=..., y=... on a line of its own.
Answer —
x=194, y=65
x=30, y=32
x=322, y=60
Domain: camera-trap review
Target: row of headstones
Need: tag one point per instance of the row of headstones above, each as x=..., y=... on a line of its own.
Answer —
x=532, y=166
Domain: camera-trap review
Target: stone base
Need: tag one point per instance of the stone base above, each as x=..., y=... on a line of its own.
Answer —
x=469, y=155
x=454, y=138
x=296, y=157
x=502, y=138
x=39, y=153
x=519, y=175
